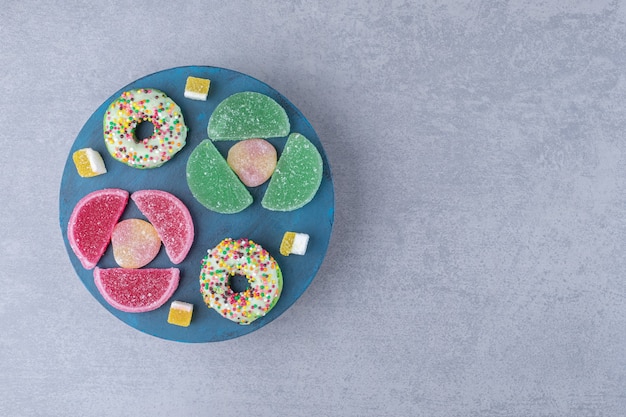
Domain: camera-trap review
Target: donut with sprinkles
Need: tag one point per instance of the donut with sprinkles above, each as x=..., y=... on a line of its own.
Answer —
x=138, y=106
x=246, y=258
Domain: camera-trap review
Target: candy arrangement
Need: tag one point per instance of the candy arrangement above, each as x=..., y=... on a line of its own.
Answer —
x=94, y=224
x=251, y=160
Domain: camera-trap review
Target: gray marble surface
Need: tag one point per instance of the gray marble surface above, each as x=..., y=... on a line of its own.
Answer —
x=477, y=262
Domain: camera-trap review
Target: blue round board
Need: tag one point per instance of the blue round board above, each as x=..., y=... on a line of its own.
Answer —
x=263, y=226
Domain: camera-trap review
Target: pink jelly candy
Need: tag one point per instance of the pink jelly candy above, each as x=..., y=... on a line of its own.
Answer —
x=91, y=224
x=253, y=160
x=135, y=243
x=171, y=219
x=136, y=290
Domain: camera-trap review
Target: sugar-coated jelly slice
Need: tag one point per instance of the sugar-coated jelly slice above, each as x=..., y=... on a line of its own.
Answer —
x=136, y=290
x=213, y=183
x=171, y=219
x=297, y=177
x=248, y=115
x=92, y=221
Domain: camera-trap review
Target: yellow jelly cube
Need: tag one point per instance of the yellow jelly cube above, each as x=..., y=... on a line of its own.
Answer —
x=88, y=162
x=197, y=88
x=180, y=313
x=294, y=243
x=287, y=243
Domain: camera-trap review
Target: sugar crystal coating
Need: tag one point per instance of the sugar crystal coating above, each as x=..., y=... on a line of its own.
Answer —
x=297, y=177
x=171, y=219
x=92, y=221
x=253, y=160
x=135, y=243
x=136, y=290
x=213, y=183
x=248, y=115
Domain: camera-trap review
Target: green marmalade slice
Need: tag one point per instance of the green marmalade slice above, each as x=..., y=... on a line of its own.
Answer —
x=297, y=177
x=213, y=183
x=248, y=115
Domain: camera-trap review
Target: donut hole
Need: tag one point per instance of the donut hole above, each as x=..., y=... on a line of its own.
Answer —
x=144, y=130
x=238, y=283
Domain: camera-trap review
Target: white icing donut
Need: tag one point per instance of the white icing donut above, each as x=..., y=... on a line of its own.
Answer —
x=240, y=257
x=144, y=105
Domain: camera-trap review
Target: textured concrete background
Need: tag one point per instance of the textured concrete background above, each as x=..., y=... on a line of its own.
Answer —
x=477, y=262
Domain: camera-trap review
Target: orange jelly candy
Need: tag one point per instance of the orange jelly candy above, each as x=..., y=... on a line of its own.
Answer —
x=253, y=160
x=135, y=243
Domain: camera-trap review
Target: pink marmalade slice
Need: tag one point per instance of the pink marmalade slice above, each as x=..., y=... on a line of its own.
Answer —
x=92, y=221
x=136, y=290
x=171, y=219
